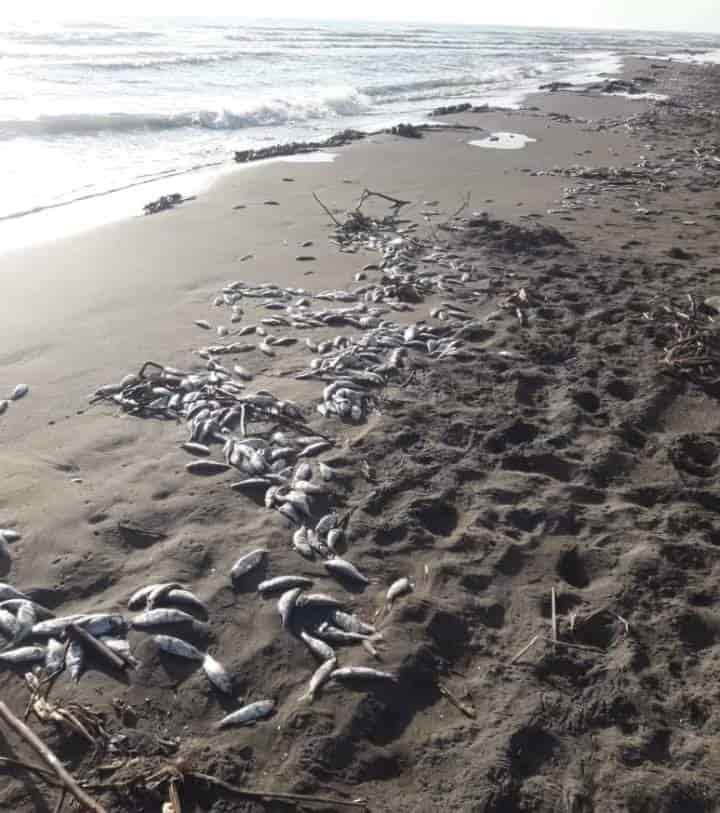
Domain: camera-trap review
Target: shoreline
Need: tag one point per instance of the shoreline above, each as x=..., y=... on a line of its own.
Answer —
x=19, y=230
x=563, y=468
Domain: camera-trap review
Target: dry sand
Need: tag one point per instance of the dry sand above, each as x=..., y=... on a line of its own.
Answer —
x=570, y=464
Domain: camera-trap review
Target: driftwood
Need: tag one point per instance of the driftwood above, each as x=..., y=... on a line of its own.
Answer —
x=86, y=802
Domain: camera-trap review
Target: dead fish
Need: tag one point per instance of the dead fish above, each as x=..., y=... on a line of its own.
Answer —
x=247, y=562
x=319, y=600
x=206, y=467
x=286, y=605
x=326, y=523
x=349, y=622
x=178, y=647
x=289, y=511
x=249, y=714
x=4, y=404
x=185, y=598
x=139, y=597
x=361, y=673
x=55, y=626
x=217, y=674
x=203, y=323
x=265, y=348
x=345, y=569
x=334, y=537
x=8, y=591
x=26, y=619
x=13, y=605
x=300, y=543
x=318, y=648
x=300, y=502
x=320, y=677
x=54, y=656
x=398, y=588
x=23, y=654
x=159, y=592
x=99, y=624
x=241, y=372
x=314, y=449
x=308, y=487
x=75, y=659
x=250, y=484
x=8, y=625
x=326, y=472
x=305, y=258
x=199, y=449
x=163, y=615
x=19, y=392
x=283, y=583
x=303, y=472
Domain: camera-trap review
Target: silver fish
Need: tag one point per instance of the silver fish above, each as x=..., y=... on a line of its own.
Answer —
x=217, y=674
x=319, y=648
x=320, y=677
x=361, y=673
x=178, y=647
x=345, y=569
x=55, y=626
x=398, y=588
x=19, y=392
x=55, y=656
x=351, y=623
x=314, y=449
x=247, y=562
x=319, y=600
x=249, y=714
x=286, y=605
x=203, y=323
x=198, y=449
x=100, y=624
x=250, y=484
x=8, y=591
x=334, y=537
x=8, y=625
x=75, y=659
x=23, y=654
x=186, y=599
x=13, y=605
x=158, y=593
x=283, y=583
x=163, y=615
x=4, y=404
x=326, y=523
x=26, y=618
x=303, y=472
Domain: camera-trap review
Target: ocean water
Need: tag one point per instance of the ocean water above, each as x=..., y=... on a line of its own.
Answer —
x=89, y=108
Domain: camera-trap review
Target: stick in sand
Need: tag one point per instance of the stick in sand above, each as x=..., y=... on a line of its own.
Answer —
x=50, y=759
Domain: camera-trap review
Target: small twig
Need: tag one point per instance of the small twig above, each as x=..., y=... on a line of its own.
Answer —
x=50, y=759
x=460, y=209
x=97, y=646
x=553, y=610
x=525, y=649
x=327, y=211
x=258, y=794
x=466, y=709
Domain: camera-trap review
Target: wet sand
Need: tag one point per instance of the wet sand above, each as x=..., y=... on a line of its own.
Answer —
x=562, y=463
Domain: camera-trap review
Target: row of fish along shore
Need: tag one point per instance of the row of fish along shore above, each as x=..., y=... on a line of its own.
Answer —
x=386, y=483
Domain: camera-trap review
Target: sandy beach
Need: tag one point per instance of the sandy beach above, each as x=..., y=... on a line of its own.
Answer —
x=563, y=461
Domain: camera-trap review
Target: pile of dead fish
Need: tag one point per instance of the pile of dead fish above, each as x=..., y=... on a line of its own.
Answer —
x=34, y=636
x=20, y=391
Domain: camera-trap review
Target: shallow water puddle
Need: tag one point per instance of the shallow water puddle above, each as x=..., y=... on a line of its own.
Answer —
x=503, y=141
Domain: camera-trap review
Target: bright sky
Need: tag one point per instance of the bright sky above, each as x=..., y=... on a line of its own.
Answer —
x=677, y=15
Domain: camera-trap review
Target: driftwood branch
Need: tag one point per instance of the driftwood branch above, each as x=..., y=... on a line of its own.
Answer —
x=49, y=776
x=326, y=210
x=50, y=759
x=97, y=646
x=397, y=204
